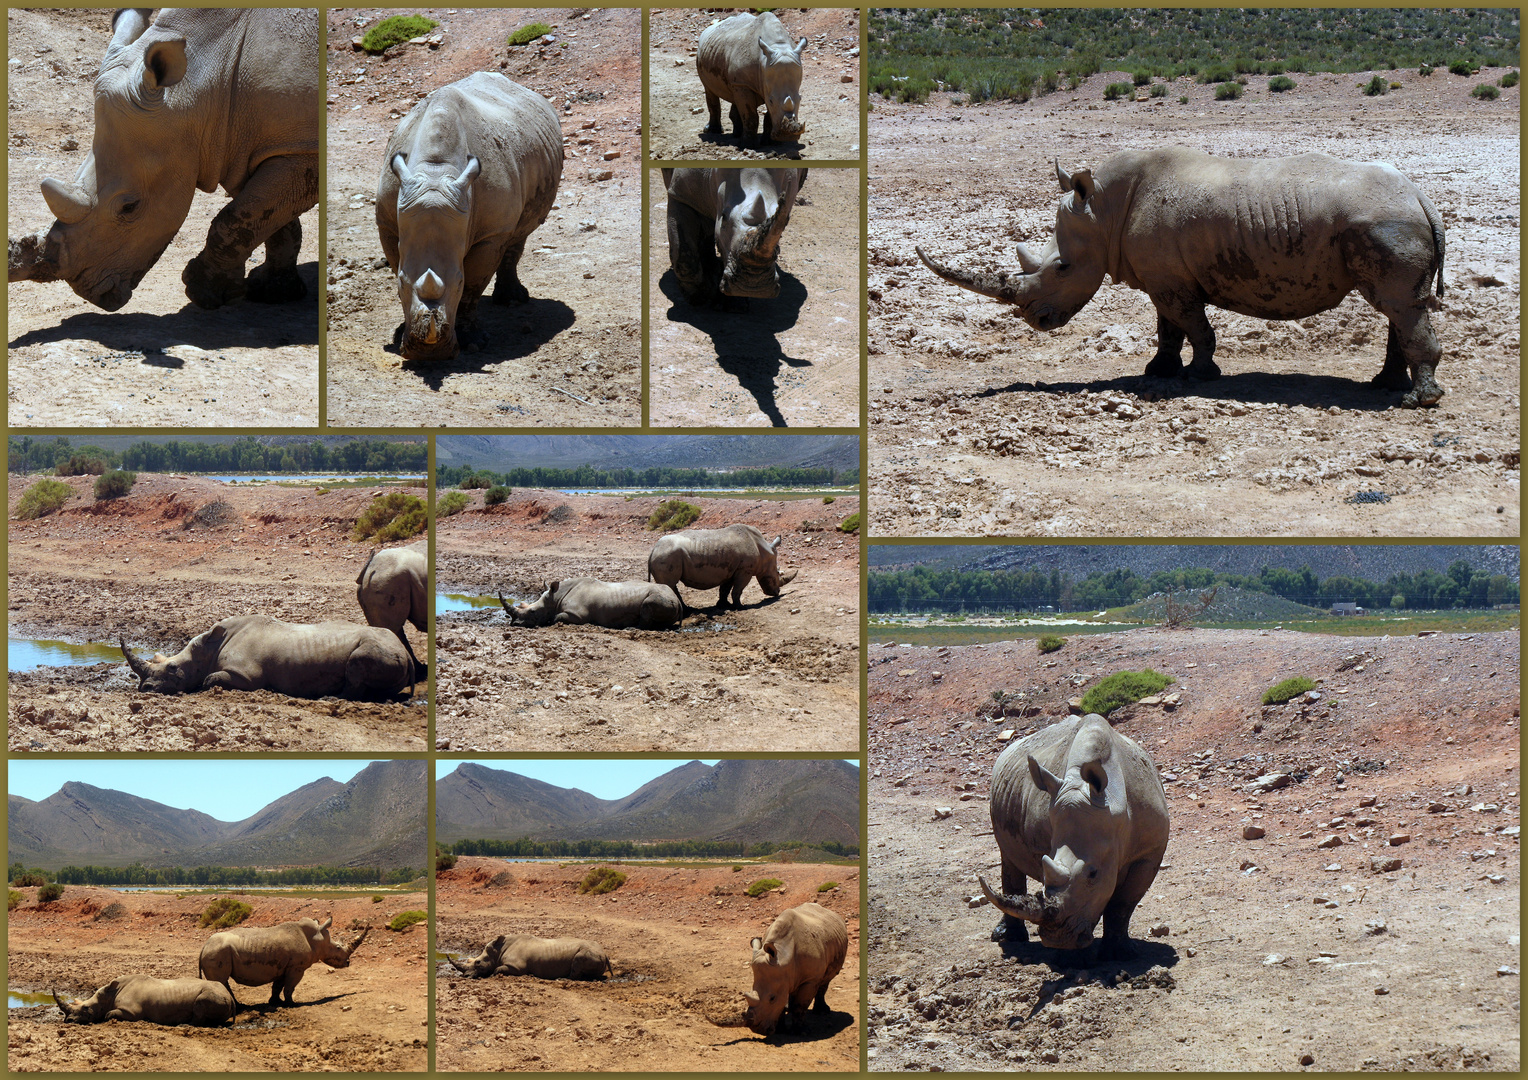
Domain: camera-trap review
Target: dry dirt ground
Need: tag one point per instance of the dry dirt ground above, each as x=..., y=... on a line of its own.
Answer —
x=981, y=426
x=830, y=88
x=93, y=571
x=368, y=1017
x=677, y=938
x=572, y=355
x=793, y=361
x=160, y=360
x=1276, y=948
x=779, y=674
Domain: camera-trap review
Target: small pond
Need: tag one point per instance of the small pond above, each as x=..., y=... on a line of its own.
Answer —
x=464, y=602
x=28, y=654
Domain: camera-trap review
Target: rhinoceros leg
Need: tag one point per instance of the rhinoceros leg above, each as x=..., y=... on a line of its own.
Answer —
x=1168, y=361
x=1396, y=374
x=738, y=583
x=506, y=287
x=1419, y=345
x=1008, y=928
x=714, y=107
x=692, y=255
x=1132, y=886
x=228, y=680
x=768, y=134
x=275, y=281
x=279, y=191
x=1186, y=314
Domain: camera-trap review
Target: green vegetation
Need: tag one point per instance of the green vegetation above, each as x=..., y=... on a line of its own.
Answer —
x=850, y=524
x=1183, y=99
x=395, y=30
x=80, y=465
x=495, y=495
x=49, y=892
x=474, y=481
x=1486, y=92
x=1280, y=83
x=1049, y=643
x=600, y=880
x=827, y=886
x=1228, y=91
x=12, y=899
x=526, y=848
x=1141, y=78
x=405, y=919
x=1158, y=90
x=444, y=859
x=454, y=502
x=42, y=498
x=1376, y=86
x=1463, y=67
x=763, y=885
x=1425, y=69
x=114, y=485
x=829, y=500
x=225, y=912
x=28, y=454
x=673, y=514
x=215, y=876
x=377, y=899
x=657, y=478
x=1509, y=79
x=1123, y=688
x=1116, y=90
x=529, y=33
x=394, y=516
x=1289, y=688
x=1217, y=74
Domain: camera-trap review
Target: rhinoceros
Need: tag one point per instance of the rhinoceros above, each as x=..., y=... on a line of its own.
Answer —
x=616, y=604
x=749, y=61
x=470, y=172
x=391, y=591
x=710, y=558
x=1282, y=238
x=1078, y=807
x=545, y=958
x=257, y=652
x=202, y=98
x=793, y=963
x=158, y=1001
x=280, y=955
x=741, y=213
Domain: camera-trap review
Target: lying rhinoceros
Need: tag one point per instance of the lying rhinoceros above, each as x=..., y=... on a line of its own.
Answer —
x=1281, y=238
x=793, y=963
x=749, y=61
x=545, y=958
x=741, y=213
x=726, y=558
x=471, y=171
x=391, y=589
x=203, y=97
x=257, y=652
x=1078, y=807
x=157, y=1001
x=280, y=955
x=616, y=604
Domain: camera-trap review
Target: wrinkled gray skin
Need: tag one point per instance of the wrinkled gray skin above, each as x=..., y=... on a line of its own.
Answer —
x=157, y=1001
x=793, y=963
x=718, y=558
x=470, y=172
x=280, y=955
x=1281, y=238
x=616, y=604
x=741, y=213
x=545, y=958
x=202, y=98
x=749, y=60
x=1078, y=807
x=391, y=591
x=257, y=652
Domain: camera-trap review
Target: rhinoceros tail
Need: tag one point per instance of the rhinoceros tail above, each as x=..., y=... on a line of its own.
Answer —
x=1436, y=223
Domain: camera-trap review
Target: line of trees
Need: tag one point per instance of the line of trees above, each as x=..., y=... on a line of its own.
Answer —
x=526, y=848
x=244, y=455
x=217, y=876
x=662, y=476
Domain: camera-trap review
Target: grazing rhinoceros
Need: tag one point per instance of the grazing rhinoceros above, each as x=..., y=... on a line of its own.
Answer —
x=749, y=61
x=710, y=558
x=1079, y=807
x=545, y=958
x=257, y=652
x=741, y=213
x=616, y=604
x=391, y=591
x=280, y=955
x=793, y=963
x=1281, y=238
x=158, y=1001
x=203, y=97
x=471, y=171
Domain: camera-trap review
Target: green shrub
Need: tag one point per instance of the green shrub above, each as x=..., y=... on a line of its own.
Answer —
x=1376, y=86
x=737, y=869
x=1217, y=74
x=30, y=879
x=1395, y=86
x=1462, y=67
x=1486, y=92
x=829, y=500
x=49, y=892
x=529, y=33
x=12, y=900
x=224, y=912
x=1158, y=89
x=1398, y=601
x=41, y=498
x=1123, y=688
x=1050, y=642
x=1509, y=79
x=1289, y=688
x=1280, y=84
x=111, y=912
x=394, y=516
x=1141, y=78
x=444, y=860
x=454, y=503
x=495, y=495
x=405, y=919
x=601, y=879
x=850, y=524
x=763, y=885
x=1229, y=91
x=1425, y=69
x=673, y=514
x=1183, y=100
x=475, y=482
x=1116, y=90
x=377, y=899
x=392, y=31
x=114, y=485
x=80, y=466
x=1274, y=68
x=827, y=886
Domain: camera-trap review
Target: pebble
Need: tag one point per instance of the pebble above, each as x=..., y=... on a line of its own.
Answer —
x=1160, y=930
x=942, y=812
x=1381, y=990
x=1307, y=1059
x=1399, y=839
x=1331, y=841
x=1252, y=832
x=1382, y=864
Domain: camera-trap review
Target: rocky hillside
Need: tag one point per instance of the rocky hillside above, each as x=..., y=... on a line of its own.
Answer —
x=502, y=452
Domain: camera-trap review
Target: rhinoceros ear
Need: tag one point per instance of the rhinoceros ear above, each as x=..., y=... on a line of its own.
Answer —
x=799, y=46
x=755, y=943
x=400, y=167
x=1043, y=779
x=1093, y=773
x=164, y=63
x=1083, y=187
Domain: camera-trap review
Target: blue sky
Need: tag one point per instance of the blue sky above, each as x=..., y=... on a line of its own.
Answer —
x=604, y=779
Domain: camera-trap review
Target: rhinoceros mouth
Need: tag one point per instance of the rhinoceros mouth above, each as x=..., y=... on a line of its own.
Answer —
x=416, y=348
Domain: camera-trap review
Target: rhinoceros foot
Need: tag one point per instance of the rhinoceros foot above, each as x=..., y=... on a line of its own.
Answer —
x=1115, y=948
x=274, y=286
x=1010, y=931
x=510, y=292
x=1425, y=392
x=1205, y=371
x=1165, y=365
x=28, y=259
x=209, y=287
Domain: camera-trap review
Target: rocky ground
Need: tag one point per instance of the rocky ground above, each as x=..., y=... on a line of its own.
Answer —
x=160, y=360
x=981, y=426
x=1261, y=953
x=368, y=1017
x=572, y=355
x=793, y=361
x=92, y=572
x=677, y=938
x=830, y=88
x=778, y=674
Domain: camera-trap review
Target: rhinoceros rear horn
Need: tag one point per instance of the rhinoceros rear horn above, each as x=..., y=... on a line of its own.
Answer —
x=999, y=285
x=1029, y=262
x=69, y=203
x=429, y=287
x=140, y=669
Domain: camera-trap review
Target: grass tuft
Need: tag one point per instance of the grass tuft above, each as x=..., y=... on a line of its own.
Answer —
x=1123, y=688
x=601, y=880
x=396, y=30
x=224, y=912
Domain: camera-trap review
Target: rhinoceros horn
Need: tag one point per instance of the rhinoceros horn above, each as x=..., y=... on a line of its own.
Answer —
x=63, y=1006
x=1020, y=907
x=1000, y=285
x=505, y=605
x=354, y=945
x=140, y=669
x=29, y=259
x=458, y=965
x=429, y=287
x=787, y=576
x=1029, y=262
x=69, y=203
x=1056, y=875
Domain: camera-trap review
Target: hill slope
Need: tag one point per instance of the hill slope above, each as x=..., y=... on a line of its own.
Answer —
x=502, y=452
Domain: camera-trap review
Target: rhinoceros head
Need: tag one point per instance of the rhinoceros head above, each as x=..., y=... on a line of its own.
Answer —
x=781, y=68
x=1056, y=282
x=434, y=208
x=538, y=612
x=326, y=948
x=773, y=980
x=486, y=962
x=135, y=186
x=178, y=674
x=91, y=1010
x=755, y=208
x=770, y=576
x=1080, y=873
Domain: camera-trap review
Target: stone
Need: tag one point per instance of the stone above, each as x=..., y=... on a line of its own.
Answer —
x=1381, y=991
x=1159, y=930
x=1367, y=800
x=942, y=812
x=1274, y=959
x=1331, y=841
x=1268, y=782
x=1383, y=864
x=976, y=901
x=1436, y=807
x=1375, y=927
x=1307, y=1059
x=1005, y=735
x=1252, y=832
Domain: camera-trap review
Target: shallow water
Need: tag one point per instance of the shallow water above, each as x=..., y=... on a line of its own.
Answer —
x=25, y=999
x=464, y=602
x=27, y=654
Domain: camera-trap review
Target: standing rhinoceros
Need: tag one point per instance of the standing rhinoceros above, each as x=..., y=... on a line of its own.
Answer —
x=710, y=558
x=793, y=963
x=749, y=61
x=741, y=213
x=257, y=652
x=616, y=604
x=1281, y=238
x=391, y=589
x=471, y=171
x=158, y=1001
x=280, y=955
x=203, y=97
x=1078, y=807
x=545, y=958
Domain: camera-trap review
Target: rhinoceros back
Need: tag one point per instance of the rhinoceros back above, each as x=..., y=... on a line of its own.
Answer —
x=727, y=55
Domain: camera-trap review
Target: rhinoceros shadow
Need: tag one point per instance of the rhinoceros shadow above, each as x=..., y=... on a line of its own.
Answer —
x=1313, y=391
x=266, y=1008
x=790, y=148
x=747, y=343
x=817, y=1027
x=512, y=331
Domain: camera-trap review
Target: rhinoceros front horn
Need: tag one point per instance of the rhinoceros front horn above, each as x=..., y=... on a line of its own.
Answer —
x=1000, y=285
x=140, y=669
x=354, y=945
x=69, y=203
x=788, y=576
x=505, y=605
x=767, y=241
x=458, y=965
x=63, y=1006
x=1020, y=907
